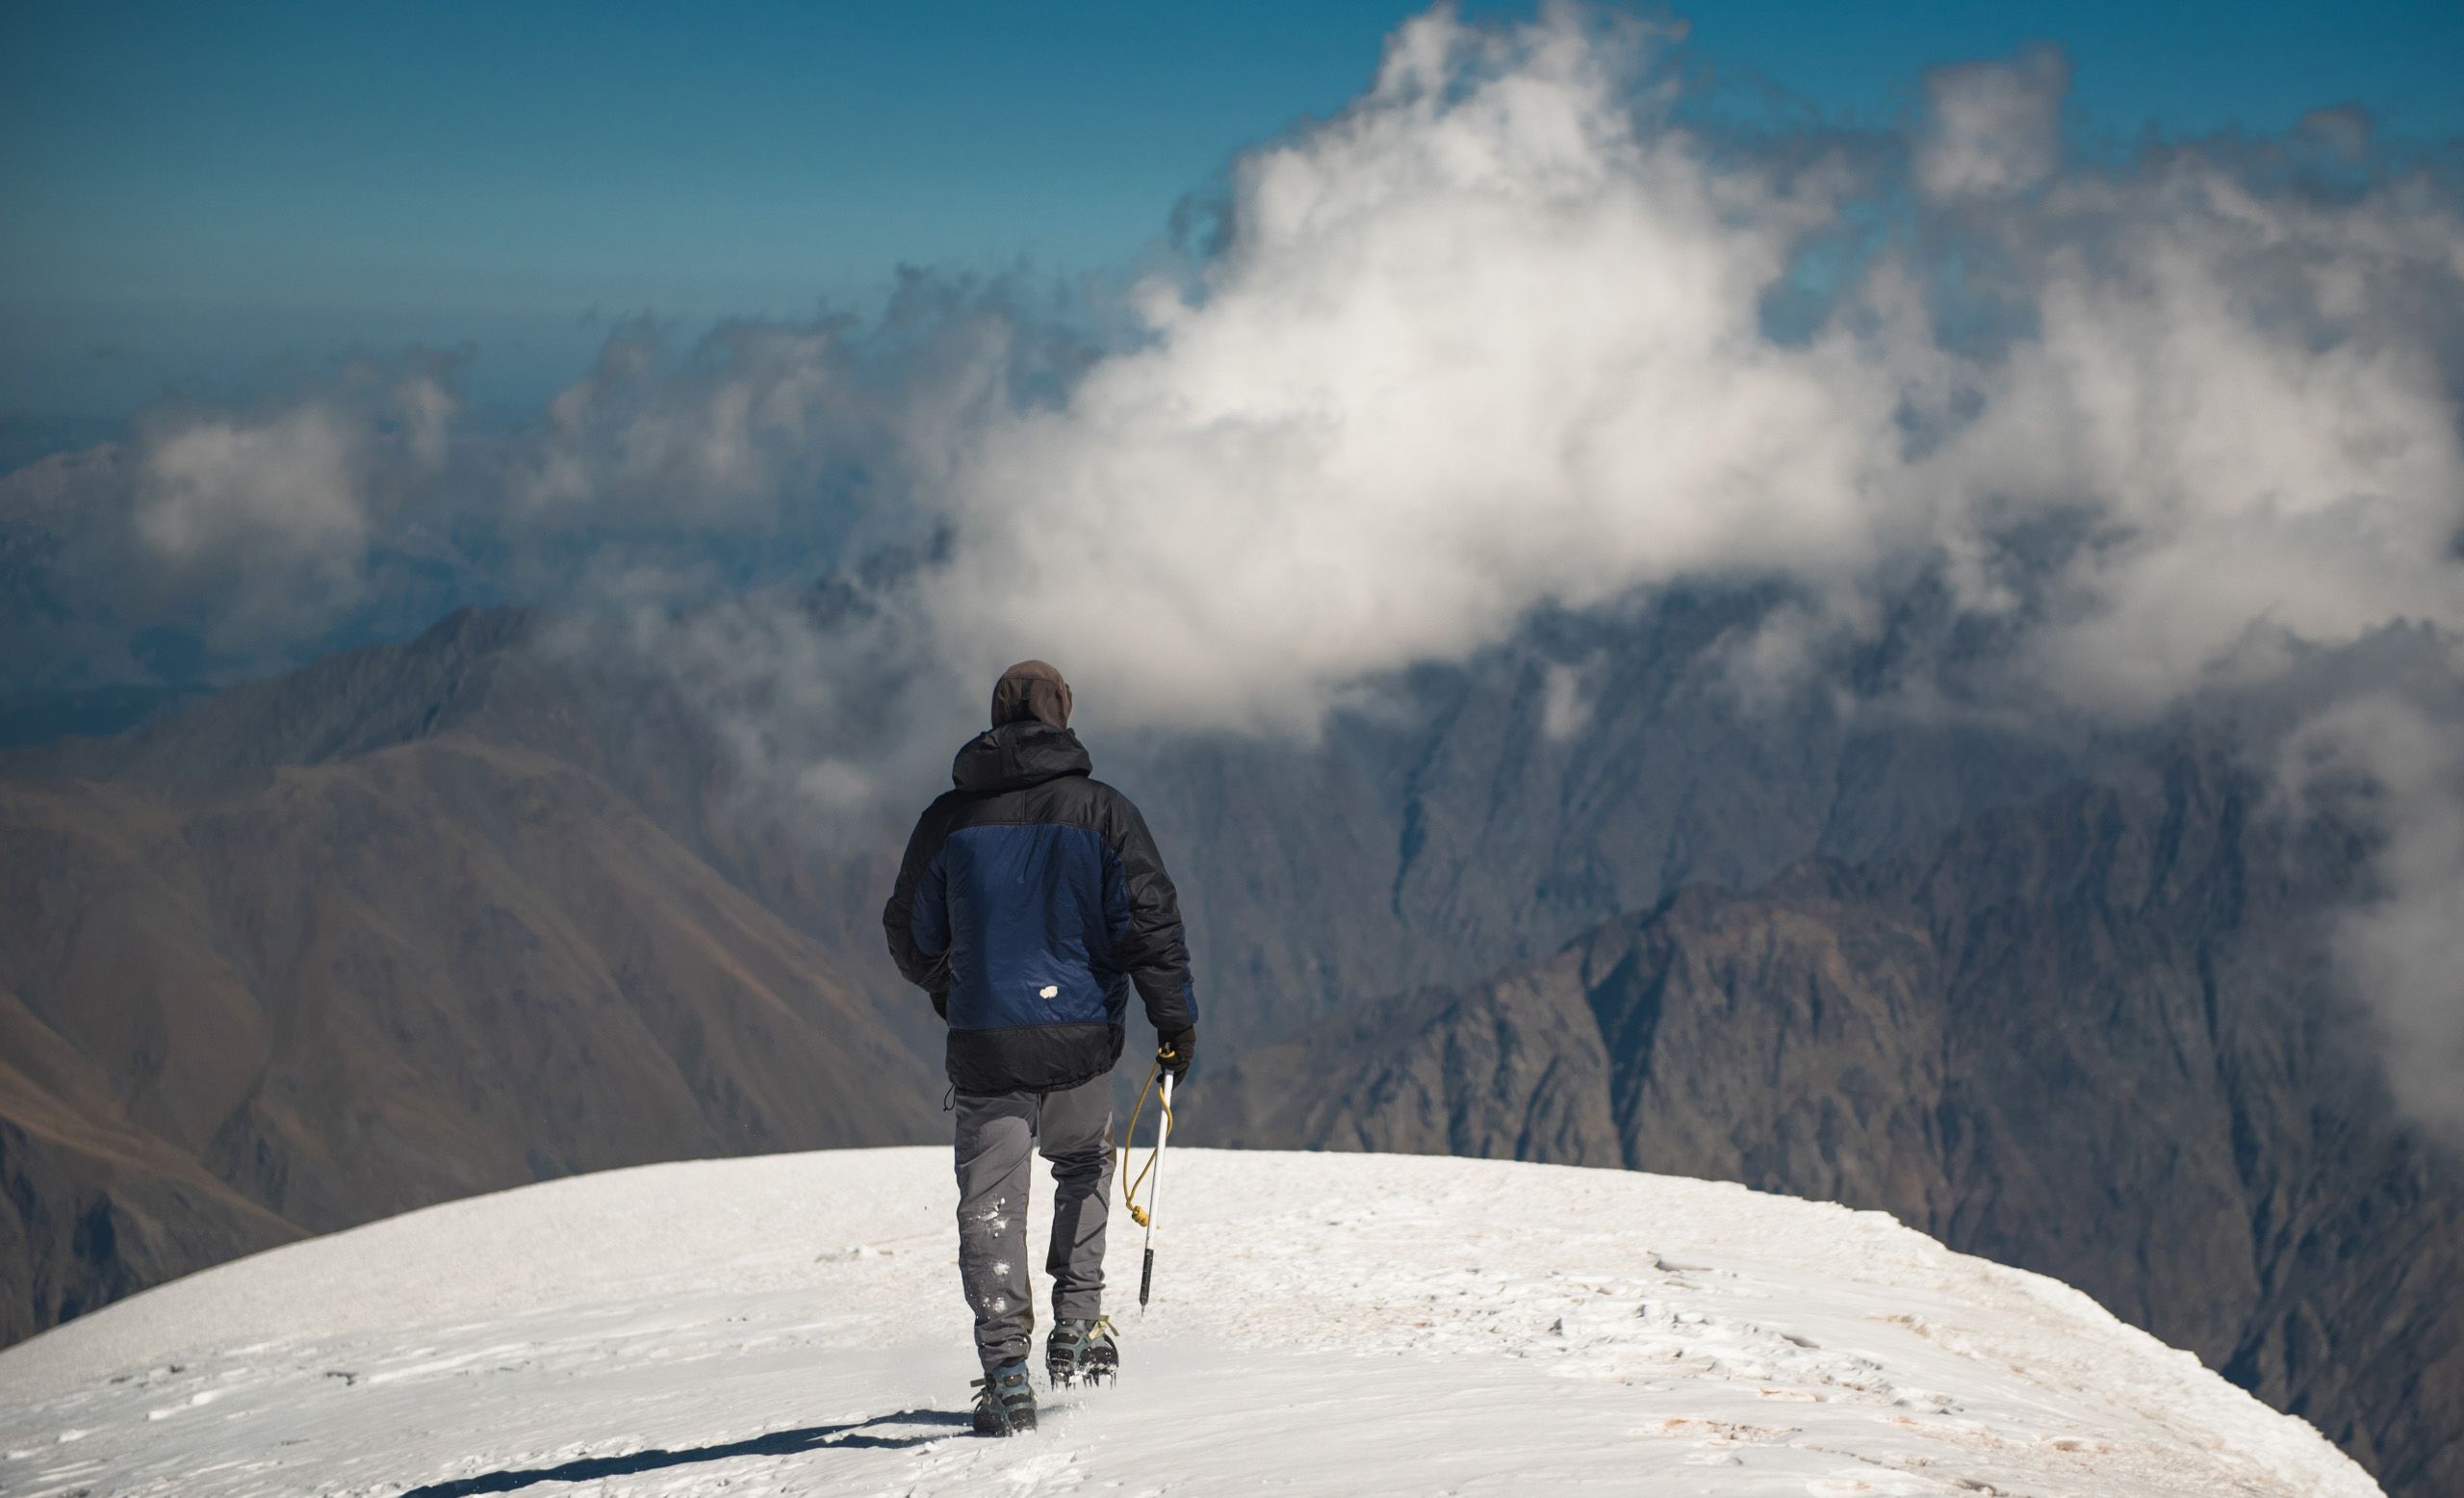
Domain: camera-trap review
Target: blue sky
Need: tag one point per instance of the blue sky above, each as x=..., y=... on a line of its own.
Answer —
x=212, y=197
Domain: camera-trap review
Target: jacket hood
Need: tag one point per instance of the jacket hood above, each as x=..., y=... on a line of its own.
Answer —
x=1018, y=754
x=1031, y=689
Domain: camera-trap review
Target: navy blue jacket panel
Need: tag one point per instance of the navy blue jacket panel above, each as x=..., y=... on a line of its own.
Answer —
x=1031, y=904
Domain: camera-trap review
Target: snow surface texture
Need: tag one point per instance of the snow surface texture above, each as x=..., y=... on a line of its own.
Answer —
x=1323, y=1323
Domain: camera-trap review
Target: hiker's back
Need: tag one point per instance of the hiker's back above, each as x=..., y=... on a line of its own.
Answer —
x=1030, y=903
x=1037, y=902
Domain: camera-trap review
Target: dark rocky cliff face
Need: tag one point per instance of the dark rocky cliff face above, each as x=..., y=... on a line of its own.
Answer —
x=1490, y=811
x=2093, y=1038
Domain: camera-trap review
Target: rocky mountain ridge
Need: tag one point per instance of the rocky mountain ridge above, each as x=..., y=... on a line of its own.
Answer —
x=2094, y=1037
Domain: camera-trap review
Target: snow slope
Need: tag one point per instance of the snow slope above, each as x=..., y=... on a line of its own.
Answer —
x=1323, y=1324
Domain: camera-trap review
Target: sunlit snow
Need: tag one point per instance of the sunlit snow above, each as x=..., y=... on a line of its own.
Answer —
x=1323, y=1323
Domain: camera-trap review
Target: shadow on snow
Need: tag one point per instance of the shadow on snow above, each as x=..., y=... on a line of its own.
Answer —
x=777, y=1443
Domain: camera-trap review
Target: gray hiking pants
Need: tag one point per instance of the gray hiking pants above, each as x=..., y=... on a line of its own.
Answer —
x=1073, y=1128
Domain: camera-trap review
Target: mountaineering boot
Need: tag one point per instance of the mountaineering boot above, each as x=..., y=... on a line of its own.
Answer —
x=1004, y=1403
x=1081, y=1350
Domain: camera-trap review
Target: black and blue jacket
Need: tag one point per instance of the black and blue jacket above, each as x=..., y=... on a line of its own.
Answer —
x=1029, y=902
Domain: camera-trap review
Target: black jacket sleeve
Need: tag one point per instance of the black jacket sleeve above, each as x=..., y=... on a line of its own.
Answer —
x=1155, y=953
x=925, y=965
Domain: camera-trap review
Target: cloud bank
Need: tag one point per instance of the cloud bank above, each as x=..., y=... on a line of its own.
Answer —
x=1498, y=336
x=1495, y=338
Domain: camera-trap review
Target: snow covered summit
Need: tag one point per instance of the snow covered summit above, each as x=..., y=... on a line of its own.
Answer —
x=1323, y=1323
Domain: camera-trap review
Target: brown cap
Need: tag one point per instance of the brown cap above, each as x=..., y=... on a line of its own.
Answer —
x=1031, y=689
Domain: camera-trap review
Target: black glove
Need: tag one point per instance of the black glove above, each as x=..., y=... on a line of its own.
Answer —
x=1176, y=1052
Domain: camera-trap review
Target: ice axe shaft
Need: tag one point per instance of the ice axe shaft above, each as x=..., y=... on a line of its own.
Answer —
x=1155, y=1195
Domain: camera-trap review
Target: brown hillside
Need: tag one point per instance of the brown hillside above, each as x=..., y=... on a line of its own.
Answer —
x=363, y=985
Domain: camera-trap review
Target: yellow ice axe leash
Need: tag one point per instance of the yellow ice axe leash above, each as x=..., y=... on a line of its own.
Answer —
x=1144, y=1216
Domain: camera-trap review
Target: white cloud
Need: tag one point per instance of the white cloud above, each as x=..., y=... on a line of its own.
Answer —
x=2401, y=950
x=288, y=487
x=1483, y=340
x=2252, y=458
x=1568, y=697
x=698, y=446
x=1492, y=339
x=1993, y=128
x=262, y=523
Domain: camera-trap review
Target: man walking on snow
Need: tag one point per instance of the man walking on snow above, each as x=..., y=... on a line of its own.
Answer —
x=1029, y=902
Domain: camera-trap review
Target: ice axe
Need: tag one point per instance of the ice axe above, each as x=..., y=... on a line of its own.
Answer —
x=1144, y=1216
x=1155, y=1195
